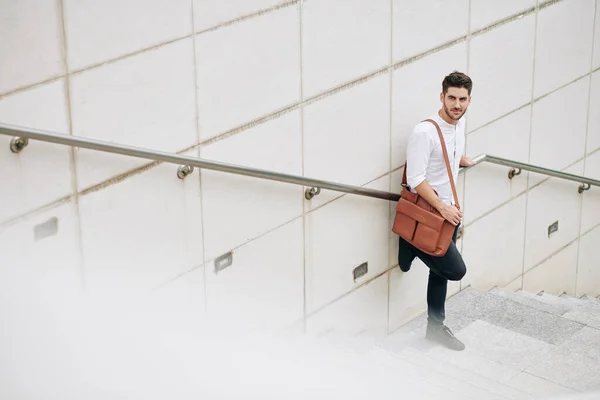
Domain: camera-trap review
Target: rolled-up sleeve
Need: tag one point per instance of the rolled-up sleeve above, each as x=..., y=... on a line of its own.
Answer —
x=418, y=151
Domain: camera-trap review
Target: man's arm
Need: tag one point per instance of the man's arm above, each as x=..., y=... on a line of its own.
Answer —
x=418, y=150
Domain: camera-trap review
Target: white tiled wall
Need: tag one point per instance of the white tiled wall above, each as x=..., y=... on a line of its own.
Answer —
x=590, y=213
x=146, y=100
x=558, y=143
x=596, y=59
x=236, y=208
x=493, y=246
x=486, y=12
x=342, y=40
x=23, y=175
x=141, y=232
x=209, y=13
x=363, y=311
x=347, y=136
x=137, y=75
x=263, y=288
x=31, y=47
x=100, y=31
x=588, y=273
x=247, y=70
x=564, y=28
x=339, y=238
x=424, y=17
x=561, y=203
x=593, y=129
x=557, y=275
x=488, y=185
x=501, y=70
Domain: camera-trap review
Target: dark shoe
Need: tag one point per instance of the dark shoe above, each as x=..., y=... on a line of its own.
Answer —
x=442, y=335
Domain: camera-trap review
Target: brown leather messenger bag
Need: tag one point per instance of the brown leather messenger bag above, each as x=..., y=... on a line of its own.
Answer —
x=419, y=223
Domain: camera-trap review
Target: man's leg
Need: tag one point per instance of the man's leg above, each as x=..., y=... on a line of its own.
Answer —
x=406, y=254
x=441, y=269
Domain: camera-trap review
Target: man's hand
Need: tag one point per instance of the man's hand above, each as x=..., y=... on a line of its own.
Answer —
x=451, y=213
x=466, y=162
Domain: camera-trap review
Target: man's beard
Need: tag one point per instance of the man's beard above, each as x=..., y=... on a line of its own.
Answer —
x=451, y=115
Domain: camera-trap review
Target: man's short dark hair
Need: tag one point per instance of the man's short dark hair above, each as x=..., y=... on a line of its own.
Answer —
x=458, y=80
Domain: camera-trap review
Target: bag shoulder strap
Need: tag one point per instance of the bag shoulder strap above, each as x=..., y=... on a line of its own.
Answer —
x=443, y=142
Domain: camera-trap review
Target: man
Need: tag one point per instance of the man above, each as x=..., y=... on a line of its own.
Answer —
x=426, y=174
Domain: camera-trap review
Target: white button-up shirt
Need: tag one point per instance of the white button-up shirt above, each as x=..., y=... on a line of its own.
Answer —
x=425, y=157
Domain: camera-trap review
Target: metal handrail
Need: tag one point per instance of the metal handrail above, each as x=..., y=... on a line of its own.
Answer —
x=187, y=164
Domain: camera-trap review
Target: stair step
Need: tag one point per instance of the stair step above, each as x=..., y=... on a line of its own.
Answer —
x=533, y=300
x=473, y=383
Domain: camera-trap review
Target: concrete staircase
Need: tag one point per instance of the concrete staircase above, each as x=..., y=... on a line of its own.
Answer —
x=519, y=346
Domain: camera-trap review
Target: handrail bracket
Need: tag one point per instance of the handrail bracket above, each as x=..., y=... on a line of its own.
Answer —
x=17, y=144
x=311, y=192
x=514, y=172
x=584, y=186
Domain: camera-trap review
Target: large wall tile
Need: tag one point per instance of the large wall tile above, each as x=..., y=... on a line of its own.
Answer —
x=416, y=94
x=140, y=233
x=557, y=275
x=596, y=60
x=355, y=126
x=564, y=44
x=210, y=13
x=41, y=173
x=263, y=288
x=423, y=17
x=39, y=256
x=593, y=133
x=363, y=311
x=493, y=246
x=340, y=236
x=554, y=200
x=502, y=70
x=342, y=40
x=590, y=214
x=31, y=42
x=486, y=12
x=247, y=70
x=98, y=31
x=487, y=185
x=588, y=273
x=144, y=101
x=549, y=147
x=238, y=208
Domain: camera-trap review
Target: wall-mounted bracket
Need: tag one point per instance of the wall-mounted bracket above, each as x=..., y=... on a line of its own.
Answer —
x=514, y=172
x=583, y=187
x=184, y=170
x=17, y=144
x=312, y=192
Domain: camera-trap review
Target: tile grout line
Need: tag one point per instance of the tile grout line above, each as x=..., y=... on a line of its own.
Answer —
x=304, y=205
x=390, y=122
x=587, y=133
x=199, y=149
x=72, y=151
x=464, y=177
x=528, y=189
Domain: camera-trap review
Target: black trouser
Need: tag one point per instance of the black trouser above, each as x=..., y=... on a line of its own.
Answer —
x=450, y=266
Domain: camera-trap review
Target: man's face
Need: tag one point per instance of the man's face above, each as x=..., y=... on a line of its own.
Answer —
x=455, y=102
